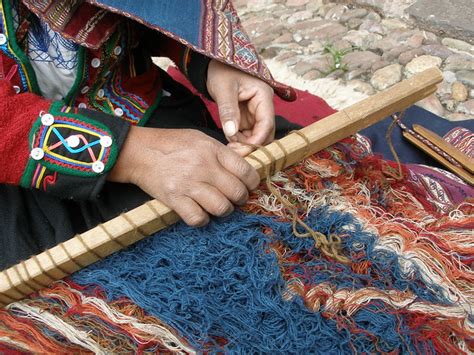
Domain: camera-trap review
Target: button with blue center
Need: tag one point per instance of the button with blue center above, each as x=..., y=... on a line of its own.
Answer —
x=3, y=39
x=98, y=167
x=100, y=93
x=117, y=50
x=47, y=119
x=82, y=105
x=37, y=153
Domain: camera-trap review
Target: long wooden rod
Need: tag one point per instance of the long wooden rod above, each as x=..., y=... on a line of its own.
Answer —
x=56, y=263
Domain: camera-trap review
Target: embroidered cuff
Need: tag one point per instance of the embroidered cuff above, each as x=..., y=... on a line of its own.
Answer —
x=71, y=152
x=195, y=68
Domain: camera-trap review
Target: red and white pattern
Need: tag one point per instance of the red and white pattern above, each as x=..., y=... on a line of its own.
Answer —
x=462, y=139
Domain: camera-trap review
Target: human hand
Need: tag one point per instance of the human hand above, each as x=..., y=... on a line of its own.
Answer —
x=245, y=106
x=191, y=173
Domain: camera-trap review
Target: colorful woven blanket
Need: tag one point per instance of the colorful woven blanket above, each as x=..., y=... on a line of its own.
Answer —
x=249, y=284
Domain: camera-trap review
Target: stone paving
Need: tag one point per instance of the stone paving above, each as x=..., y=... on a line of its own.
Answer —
x=363, y=47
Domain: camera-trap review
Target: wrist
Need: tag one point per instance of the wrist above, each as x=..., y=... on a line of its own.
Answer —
x=126, y=164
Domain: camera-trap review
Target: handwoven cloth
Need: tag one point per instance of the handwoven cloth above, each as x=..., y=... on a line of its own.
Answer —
x=247, y=284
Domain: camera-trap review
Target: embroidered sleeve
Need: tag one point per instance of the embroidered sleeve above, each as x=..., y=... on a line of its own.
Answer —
x=49, y=147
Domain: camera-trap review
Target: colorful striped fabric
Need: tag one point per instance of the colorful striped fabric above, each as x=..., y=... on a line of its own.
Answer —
x=248, y=284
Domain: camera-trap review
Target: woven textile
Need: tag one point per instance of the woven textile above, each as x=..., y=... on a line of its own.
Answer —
x=210, y=27
x=247, y=284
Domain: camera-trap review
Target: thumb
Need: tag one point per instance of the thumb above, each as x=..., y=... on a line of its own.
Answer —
x=227, y=99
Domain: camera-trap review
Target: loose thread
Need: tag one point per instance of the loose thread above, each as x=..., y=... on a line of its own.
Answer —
x=55, y=264
x=88, y=249
x=42, y=270
x=13, y=286
x=285, y=153
x=31, y=284
x=7, y=298
x=110, y=236
x=306, y=140
x=136, y=229
x=76, y=263
x=40, y=283
x=329, y=246
x=157, y=214
x=388, y=136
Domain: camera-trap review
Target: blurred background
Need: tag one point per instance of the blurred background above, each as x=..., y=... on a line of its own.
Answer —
x=345, y=51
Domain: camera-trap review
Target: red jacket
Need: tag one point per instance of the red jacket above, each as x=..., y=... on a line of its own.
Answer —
x=59, y=148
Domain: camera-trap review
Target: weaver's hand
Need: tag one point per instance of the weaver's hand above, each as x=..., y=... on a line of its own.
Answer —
x=188, y=171
x=245, y=106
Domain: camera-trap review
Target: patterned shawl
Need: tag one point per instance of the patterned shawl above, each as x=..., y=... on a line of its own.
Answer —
x=210, y=27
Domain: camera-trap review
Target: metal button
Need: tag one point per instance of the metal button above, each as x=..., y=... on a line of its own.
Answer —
x=98, y=167
x=3, y=39
x=17, y=89
x=37, y=153
x=100, y=93
x=117, y=50
x=118, y=112
x=95, y=63
x=58, y=97
x=73, y=141
x=47, y=119
x=105, y=141
x=82, y=105
x=85, y=90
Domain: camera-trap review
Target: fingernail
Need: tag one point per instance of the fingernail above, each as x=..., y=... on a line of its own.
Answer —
x=230, y=129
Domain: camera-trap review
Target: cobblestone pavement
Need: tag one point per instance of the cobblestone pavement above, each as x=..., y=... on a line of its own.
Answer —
x=363, y=47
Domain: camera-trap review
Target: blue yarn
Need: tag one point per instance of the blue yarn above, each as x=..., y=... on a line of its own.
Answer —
x=223, y=281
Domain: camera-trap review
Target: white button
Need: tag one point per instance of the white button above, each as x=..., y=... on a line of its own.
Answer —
x=98, y=167
x=17, y=89
x=73, y=141
x=118, y=112
x=105, y=141
x=37, y=153
x=95, y=63
x=117, y=50
x=85, y=90
x=101, y=93
x=47, y=119
x=82, y=105
x=3, y=39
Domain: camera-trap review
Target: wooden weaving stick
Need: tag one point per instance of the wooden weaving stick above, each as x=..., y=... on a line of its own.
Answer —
x=458, y=170
x=465, y=161
x=56, y=263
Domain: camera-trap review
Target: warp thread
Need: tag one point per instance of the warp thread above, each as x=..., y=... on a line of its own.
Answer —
x=247, y=284
x=331, y=245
